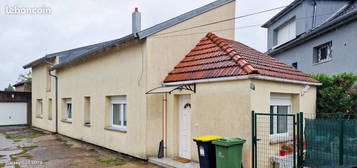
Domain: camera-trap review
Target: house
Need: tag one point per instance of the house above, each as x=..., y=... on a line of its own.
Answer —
x=215, y=87
x=131, y=93
x=24, y=86
x=315, y=36
x=96, y=93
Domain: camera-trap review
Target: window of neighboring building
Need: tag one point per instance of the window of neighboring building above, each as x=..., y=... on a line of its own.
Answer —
x=69, y=110
x=50, y=109
x=119, y=112
x=280, y=104
x=323, y=53
x=286, y=32
x=87, y=111
x=39, y=108
x=295, y=65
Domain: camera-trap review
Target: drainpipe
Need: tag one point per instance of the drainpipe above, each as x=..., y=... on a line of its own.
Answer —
x=313, y=14
x=56, y=92
x=165, y=124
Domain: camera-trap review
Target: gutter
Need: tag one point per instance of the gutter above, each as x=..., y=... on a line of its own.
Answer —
x=253, y=76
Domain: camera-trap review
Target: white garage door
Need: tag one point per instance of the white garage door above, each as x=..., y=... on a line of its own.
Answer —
x=13, y=113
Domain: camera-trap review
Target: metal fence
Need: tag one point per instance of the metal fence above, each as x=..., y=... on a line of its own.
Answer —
x=330, y=139
x=304, y=140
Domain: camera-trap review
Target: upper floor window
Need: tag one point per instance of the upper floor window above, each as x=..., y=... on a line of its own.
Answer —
x=323, y=53
x=286, y=32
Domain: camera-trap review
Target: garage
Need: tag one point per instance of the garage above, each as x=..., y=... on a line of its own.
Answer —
x=15, y=108
x=13, y=113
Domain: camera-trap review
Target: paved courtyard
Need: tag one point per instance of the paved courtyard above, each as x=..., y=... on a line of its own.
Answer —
x=23, y=147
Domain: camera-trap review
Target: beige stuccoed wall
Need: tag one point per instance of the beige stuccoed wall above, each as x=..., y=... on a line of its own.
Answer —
x=39, y=91
x=260, y=100
x=167, y=50
x=224, y=108
x=132, y=71
x=116, y=73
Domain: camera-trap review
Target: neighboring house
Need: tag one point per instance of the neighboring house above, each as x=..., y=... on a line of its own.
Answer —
x=15, y=108
x=101, y=87
x=315, y=36
x=216, y=86
x=23, y=86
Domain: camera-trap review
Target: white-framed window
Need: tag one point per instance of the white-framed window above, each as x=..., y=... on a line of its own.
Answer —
x=87, y=111
x=119, y=112
x=280, y=104
x=323, y=53
x=286, y=32
x=39, y=108
x=69, y=110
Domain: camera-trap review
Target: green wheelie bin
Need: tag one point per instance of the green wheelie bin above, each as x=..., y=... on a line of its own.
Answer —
x=229, y=152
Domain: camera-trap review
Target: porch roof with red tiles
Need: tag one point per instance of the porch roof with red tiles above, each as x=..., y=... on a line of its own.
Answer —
x=215, y=57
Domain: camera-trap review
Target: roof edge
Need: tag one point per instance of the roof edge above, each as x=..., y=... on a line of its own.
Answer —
x=181, y=18
x=115, y=42
x=251, y=76
x=286, y=10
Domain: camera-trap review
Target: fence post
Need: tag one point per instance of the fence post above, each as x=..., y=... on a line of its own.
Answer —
x=340, y=117
x=300, y=139
x=253, y=139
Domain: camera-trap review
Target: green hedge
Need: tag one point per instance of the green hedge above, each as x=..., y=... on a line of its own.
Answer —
x=338, y=93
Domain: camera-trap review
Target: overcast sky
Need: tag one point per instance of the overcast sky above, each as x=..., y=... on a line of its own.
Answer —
x=75, y=23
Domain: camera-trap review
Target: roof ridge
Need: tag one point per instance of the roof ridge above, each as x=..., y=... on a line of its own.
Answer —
x=248, y=68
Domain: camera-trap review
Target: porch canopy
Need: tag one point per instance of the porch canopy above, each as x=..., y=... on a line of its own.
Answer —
x=170, y=89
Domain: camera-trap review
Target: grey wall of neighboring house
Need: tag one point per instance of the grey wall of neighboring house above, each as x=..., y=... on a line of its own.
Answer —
x=303, y=14
x=325, y=9
x=344, y=52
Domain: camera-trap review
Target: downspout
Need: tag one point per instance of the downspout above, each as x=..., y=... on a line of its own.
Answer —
x=165, y=124
x=56, y=92
x=313, y=14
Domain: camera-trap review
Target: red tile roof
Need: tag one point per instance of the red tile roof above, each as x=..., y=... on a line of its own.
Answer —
x=215, y=57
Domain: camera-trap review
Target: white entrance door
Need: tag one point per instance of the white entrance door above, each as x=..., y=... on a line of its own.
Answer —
x=185, y=126
x=13, y=113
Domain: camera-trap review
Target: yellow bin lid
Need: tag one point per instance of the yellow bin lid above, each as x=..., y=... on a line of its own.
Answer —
x=207, y=138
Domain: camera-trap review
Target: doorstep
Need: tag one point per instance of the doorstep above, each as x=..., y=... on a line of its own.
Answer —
x=171, y=163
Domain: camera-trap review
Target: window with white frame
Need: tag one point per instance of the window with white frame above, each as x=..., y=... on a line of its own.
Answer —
x=119, y=112
x=69, y=109
x=323, y=53
x=280, y=104
x=286, y=32
x=39, y=108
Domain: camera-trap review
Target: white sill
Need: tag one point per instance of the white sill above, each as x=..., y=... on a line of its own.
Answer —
x=39, y=117
x=280, y=138
x=118, y=129
x=321, y=62
x=67, y=121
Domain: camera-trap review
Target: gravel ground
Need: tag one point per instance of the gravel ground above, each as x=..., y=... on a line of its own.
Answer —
x=23, y=147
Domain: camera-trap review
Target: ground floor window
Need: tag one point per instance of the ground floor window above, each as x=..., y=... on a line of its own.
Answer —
x=119, y=112
x=68, y=108
x=39, y=108
x=280, y=104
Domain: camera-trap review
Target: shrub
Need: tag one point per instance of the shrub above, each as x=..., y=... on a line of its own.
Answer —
x=338, y=93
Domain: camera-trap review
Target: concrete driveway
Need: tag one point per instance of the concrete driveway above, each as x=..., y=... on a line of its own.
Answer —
x=28, y=148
